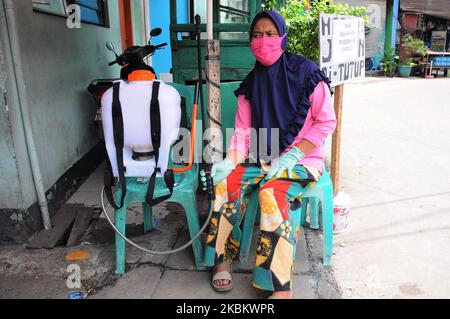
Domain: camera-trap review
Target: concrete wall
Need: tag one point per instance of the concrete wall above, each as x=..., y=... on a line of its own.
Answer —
x=9, y=184
x=58, y=64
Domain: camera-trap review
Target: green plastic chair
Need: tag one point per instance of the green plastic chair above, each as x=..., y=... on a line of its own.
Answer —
x=321, y=193
x=183, y=193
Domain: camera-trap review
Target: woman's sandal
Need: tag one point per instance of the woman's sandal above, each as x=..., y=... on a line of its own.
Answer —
x=222, y=275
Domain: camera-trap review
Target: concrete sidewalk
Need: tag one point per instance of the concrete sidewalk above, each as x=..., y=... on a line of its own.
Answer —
x=42, y=273
x=395, y=164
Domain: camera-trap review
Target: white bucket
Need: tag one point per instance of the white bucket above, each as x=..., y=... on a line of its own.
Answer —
x=341, y=210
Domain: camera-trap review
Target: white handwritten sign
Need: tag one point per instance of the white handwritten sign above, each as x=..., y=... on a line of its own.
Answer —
x=342, y=47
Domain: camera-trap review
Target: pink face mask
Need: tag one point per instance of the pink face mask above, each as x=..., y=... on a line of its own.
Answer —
x=267, y=50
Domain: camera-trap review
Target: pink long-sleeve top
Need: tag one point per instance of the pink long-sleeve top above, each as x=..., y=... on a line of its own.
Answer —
x=319, y=123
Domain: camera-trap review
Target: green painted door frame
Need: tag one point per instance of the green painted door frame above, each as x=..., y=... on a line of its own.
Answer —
x=391, y=23
x=236, y=59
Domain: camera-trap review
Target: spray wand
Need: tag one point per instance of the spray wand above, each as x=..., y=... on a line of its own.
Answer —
x=205, y=165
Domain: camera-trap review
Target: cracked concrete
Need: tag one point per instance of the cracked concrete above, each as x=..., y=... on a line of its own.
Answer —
x=326, y=285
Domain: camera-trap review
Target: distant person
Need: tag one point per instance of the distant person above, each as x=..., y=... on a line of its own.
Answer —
x=289, y=93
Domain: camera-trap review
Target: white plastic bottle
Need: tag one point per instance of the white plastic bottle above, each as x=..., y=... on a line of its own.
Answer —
x=341, y=210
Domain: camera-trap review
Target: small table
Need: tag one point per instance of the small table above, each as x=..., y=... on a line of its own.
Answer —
x=436, y=53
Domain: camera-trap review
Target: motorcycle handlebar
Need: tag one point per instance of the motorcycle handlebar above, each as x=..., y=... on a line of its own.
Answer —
x=147, y=50
x=160, y=45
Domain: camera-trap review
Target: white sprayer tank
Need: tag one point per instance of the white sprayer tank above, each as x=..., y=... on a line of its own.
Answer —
x=135, y=100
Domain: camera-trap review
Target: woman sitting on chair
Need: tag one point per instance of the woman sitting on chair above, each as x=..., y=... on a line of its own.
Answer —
x=288, y=93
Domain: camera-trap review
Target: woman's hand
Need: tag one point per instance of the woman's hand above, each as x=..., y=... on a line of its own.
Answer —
x=286, y=162
x=219, y=171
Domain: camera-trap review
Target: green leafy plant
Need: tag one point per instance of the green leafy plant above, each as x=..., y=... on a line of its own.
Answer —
x=389, y=64
x=413, y=48
x=415, y=44
x=272, y=4
x=302, y=20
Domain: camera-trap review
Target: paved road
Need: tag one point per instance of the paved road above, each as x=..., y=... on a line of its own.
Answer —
x=396, y=167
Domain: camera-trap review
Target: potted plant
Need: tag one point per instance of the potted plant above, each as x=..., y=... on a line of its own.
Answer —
x=389, y=64
x=405, y=67
x=412, y=48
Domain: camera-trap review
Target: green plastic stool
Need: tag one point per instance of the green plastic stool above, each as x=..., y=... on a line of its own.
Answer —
x=183, y=193
x=321, y=193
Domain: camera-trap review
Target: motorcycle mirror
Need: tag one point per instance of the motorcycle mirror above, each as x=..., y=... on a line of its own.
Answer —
x=110, y=46
x=155, y=32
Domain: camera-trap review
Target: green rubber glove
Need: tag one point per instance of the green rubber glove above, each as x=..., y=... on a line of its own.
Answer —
x=219, y=171
x=287, y=162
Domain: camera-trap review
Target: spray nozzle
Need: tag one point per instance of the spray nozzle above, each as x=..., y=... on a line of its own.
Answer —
x=209, y=182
